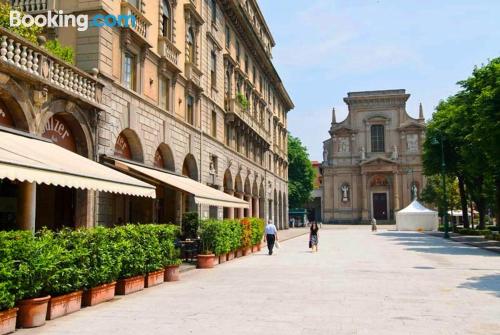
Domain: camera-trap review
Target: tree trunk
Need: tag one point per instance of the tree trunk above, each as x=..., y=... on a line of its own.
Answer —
x=497, y=200
x=480, y=203
x=463, y=201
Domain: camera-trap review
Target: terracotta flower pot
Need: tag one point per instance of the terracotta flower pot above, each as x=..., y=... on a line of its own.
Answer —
x=239, y=253
x=64, y=304
x=32, y=312
x=216, y=260
x=206, y=261
x=230, y=256
x=247, y=251
x=154, y=278
x=172, y=273
x=98, y=294
x=129, y=285
x=8, y=321
x=254, y=248
x=259, y=246
x=222, y=258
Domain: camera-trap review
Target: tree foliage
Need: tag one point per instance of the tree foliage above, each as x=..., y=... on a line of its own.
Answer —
x=300, y=173
x=468, y=124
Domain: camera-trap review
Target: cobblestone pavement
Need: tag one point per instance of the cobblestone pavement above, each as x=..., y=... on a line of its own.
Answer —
x=358, y=283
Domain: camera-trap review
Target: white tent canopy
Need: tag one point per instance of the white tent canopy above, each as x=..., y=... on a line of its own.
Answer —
x=417, y=217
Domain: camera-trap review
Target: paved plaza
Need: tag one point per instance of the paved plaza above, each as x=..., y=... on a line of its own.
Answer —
x=358, y=283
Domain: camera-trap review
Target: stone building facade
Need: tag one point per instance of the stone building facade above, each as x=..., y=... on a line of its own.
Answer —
x=372, y=163
x=191, y=89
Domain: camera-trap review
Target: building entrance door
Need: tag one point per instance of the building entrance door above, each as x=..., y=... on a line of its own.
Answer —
x=380, y=206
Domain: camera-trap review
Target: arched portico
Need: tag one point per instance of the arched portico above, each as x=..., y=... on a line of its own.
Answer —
x=166, y=197
x=228, y=188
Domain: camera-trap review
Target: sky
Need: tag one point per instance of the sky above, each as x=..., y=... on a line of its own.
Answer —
x=326, y=48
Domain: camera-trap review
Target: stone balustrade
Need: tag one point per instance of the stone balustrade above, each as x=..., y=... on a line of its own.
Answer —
x=141, y=23
x=35, y=61
x=248, y=119
x=168, y=50
x=193, y=74
x=31, y=6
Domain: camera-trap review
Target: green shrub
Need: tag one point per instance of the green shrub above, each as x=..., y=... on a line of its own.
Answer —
x=105, y=261
x=190, y=225
x=236, y=230
x=29, y=33
x=71, y=257
x=222, y=238
x=131, y=251
x=167, y=234
x=258, y=227
x=208, y=234
x=7, y=269
x=148, y=235
x=243, y=101
x=64, y=53
x=475, y=232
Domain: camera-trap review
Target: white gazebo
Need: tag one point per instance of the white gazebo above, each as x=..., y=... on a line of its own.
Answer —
x=416, y=217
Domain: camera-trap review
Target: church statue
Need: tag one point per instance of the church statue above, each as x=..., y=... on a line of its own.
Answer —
x=363, y=153
x=394, y=155
x=414, y=192
x=325, y=155
x=345, y=193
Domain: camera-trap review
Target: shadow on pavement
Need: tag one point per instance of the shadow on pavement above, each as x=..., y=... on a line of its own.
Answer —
x=488, y=283
x=434, y=245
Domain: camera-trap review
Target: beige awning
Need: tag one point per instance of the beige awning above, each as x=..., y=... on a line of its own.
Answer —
x=30, y=159
x=203, y=194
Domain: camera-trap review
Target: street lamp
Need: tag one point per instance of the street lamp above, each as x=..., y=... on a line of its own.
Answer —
x=443, y=176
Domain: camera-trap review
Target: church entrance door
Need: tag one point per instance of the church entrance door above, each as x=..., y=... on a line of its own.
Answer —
x=380, y=206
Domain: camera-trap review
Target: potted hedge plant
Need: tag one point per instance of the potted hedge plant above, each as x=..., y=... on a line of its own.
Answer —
x=258, y=227
x=153, y=254
x=167, y=234
x=36, y=260
x=133, y=259
x=8, y=313
x=222, y=240
x=190, y=225
x=207, y=234
x=235, y=238
x=104, y=266
x=66, y=283
x=246, y=237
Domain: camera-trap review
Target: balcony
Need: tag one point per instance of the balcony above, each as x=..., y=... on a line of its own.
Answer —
x=141, y=23
x=24, y=59
x=236, y=110
x=193, y=74
x=169, y=52
x=33, y=6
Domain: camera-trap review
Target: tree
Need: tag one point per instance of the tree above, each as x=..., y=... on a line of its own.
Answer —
x=300, y=173
x=433, y=193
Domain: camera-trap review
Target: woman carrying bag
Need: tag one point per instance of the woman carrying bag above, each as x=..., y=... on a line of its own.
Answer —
x=313, y=237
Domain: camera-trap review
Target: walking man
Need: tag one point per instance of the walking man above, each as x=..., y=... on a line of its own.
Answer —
x=374, y=225
x=271, y=235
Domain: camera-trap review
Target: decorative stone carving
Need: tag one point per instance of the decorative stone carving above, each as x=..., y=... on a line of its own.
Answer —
x=344, y=144
x=412, y=142
x=362, y=153
x=414, y=191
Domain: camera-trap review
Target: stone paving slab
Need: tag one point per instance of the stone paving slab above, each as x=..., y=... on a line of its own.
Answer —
x=476, y=241
x=358, y=283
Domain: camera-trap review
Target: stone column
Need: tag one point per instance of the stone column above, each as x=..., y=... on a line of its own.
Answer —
x=396, y=191
x=27, y=206
x=250, y=207
x=364, y=196
x=230, y=210
x=239, y=213
x=256, y=207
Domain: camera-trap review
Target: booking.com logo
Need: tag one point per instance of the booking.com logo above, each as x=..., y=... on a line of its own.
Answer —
x=55, y=19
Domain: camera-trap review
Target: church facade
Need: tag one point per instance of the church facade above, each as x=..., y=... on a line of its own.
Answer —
x=372, y=162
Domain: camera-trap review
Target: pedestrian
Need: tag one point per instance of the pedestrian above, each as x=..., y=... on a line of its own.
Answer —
x=313, y=237
x=271, y=235
x=374, y=224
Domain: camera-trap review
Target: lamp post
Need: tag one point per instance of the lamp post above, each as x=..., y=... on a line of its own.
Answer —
x=443, y=176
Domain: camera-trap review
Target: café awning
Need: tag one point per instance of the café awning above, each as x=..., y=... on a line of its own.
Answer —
x=203, y=194
x=25, y=158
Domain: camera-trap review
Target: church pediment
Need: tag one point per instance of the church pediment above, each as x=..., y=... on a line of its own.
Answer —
x=410, y=125
x=375, y=161
x=342, y=130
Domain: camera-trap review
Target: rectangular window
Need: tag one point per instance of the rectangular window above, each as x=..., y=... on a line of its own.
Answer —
x=377, y=138
x=238, y=51
x=253, y=74
x=190, y=110
x=129, y=71
x=228, y=37
x=164, y=93
x=213, y=69
x=226, y=134
x=246, y=63
x=214, y=124
x=134, y=3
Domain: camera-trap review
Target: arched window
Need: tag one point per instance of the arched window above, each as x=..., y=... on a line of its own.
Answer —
x=166, y=20
x=190, y=52
x=377, y=138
